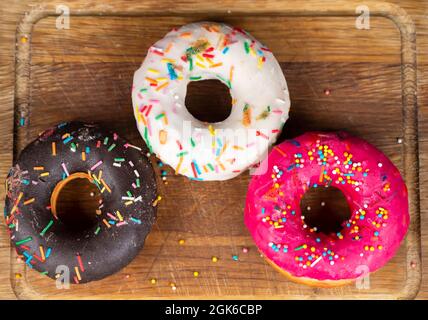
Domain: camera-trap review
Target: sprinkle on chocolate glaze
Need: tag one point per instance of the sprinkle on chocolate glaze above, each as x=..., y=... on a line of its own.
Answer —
x=127, y=185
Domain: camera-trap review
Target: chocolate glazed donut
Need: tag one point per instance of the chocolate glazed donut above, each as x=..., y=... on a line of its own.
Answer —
x=127, y=186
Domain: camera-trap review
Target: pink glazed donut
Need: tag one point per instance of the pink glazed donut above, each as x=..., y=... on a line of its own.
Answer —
x=375, y=192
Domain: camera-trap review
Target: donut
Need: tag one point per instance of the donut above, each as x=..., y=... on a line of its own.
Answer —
x=127, y=186
x=206, y=51
x=374, y=190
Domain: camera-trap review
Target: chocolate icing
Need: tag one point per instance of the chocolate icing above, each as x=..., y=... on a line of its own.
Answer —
x=101, y=250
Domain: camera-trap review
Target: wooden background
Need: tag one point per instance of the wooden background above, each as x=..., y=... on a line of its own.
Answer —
x=353, y=70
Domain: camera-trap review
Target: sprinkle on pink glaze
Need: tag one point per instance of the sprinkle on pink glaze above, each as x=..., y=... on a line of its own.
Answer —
x=374, y=189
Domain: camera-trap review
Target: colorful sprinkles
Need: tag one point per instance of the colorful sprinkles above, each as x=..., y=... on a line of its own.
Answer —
x=197, y=52
x=325, y=160
x=23, y=196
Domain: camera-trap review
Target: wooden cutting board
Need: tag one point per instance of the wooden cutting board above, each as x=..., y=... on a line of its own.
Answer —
x=85, y=73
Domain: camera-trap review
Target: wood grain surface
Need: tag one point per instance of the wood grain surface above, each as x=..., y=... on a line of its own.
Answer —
x=97, y=56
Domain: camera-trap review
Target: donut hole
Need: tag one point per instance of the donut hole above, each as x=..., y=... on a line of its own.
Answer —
x=76, y=202
x=325, y=208
x=208, y=100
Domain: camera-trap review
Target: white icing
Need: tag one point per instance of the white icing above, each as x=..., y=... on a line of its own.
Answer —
x=220, y=150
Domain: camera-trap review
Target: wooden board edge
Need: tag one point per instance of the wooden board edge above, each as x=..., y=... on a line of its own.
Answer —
x=409, y=84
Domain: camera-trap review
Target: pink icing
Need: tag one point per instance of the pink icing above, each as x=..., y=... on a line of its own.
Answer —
x=375, y=192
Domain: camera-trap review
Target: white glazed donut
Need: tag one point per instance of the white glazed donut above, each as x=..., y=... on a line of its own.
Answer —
x=201, y=51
